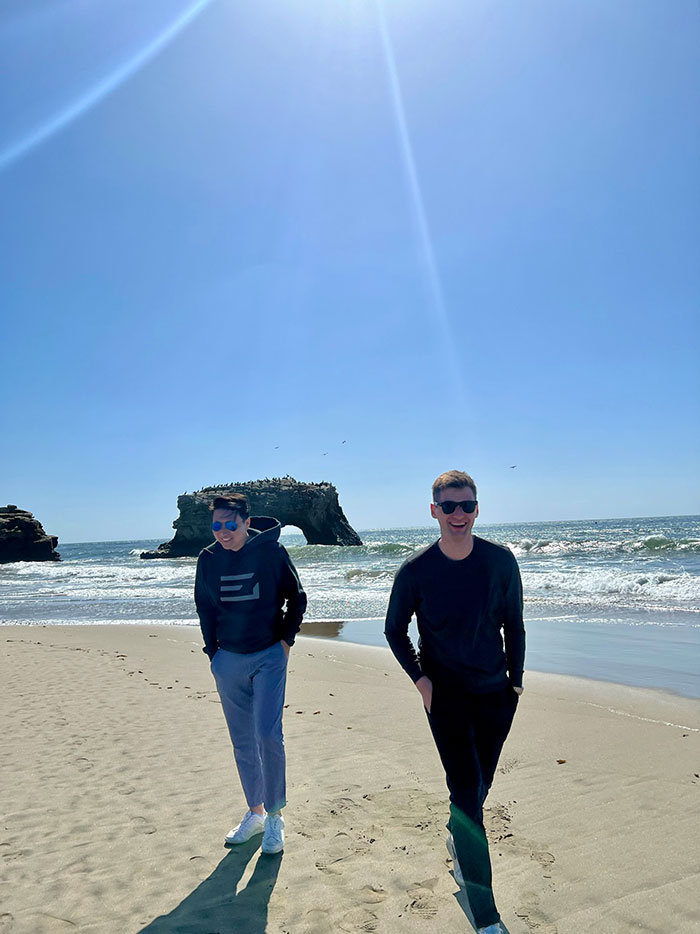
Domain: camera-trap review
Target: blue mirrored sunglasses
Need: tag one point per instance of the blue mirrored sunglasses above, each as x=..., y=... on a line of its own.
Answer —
x=218, y=526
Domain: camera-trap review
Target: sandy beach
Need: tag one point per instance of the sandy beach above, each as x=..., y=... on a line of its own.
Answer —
x=118, y=786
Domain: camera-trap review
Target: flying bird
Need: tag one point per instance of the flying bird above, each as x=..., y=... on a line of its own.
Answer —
x=513, y=466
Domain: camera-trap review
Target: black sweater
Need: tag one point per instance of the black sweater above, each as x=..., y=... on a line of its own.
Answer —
x=240, y=595
x=465, y=610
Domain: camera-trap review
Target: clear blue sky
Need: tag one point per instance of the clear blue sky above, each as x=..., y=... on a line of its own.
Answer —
x=449, y=233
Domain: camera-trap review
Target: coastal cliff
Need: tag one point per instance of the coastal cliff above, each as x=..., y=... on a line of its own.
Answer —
x=312, y=507
x=22, y=537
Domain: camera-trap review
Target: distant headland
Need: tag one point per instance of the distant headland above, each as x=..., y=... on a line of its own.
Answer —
x=312, y=507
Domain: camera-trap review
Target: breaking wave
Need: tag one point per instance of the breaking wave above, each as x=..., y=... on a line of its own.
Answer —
x=652, y=545
x=369, y=575
x=310, y=553
x=611, y=586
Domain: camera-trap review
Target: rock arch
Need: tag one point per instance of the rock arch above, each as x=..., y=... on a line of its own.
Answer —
x=312, y=507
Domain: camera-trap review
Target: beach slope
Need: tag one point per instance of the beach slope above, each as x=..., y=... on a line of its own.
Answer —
x=119, y=786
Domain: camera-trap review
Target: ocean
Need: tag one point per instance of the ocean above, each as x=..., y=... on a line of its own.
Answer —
x=615, y=600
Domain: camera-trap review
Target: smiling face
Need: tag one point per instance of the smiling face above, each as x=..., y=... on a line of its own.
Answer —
x=231, y=540
x=457, y=527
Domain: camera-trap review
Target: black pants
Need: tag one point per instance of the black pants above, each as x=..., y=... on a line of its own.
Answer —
x=469, y=731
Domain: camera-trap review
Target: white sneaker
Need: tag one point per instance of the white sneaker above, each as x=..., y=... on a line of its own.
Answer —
x=457, y=869
x=491, y=929
x=251, y=824
x=273, y=838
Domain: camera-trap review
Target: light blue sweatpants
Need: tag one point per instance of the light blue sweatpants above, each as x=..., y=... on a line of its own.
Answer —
x=251, y=688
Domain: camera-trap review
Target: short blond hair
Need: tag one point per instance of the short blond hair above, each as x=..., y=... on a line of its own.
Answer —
x=456, y=478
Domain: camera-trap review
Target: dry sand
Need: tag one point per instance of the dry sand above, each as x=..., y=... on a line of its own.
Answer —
x=118, y=786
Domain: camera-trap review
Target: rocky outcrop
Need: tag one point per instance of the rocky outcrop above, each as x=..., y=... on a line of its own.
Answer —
x=22, y=537
x=312, y=507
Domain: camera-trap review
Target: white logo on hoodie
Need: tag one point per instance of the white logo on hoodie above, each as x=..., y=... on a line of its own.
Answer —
x=254, y=595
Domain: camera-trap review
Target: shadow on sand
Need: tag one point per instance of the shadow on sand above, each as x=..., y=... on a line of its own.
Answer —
x=216, y=907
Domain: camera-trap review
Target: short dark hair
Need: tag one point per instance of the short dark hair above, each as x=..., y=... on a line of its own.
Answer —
x=456, y=478
x=236, y=502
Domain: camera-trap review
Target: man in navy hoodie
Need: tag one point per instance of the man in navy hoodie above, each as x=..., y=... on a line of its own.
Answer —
x=250, y=605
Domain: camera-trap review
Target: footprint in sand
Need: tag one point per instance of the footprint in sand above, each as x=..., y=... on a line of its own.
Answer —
x=534, y=918
x=338, y=805
x=124, y=789
x=318, y=921
x=341, y=847
x=507, y=766
x=13, y=855
x=141, y=825
x=326, y=865
x=83, y=764
x=499, y=812
x=7, y=922
x=422, y=901
x=372, y=894
x=359, y=919
x=543, y=858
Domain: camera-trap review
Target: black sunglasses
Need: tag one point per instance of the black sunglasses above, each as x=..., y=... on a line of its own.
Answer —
x=218, y=526
x=449, y=506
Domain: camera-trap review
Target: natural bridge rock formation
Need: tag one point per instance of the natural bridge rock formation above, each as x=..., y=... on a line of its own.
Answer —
x=22, y=537
x=312, y=507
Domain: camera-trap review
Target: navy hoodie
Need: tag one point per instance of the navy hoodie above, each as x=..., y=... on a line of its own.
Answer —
x=241, y=595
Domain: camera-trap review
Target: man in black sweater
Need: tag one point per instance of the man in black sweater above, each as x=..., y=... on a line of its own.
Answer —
x=467, y=598
x=250, y=605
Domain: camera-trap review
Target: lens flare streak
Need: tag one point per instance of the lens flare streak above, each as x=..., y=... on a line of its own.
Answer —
x=14, y=152
x=425, y=244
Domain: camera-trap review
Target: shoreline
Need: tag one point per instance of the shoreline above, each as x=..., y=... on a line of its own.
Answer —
x=121, y=785
x=592, y=651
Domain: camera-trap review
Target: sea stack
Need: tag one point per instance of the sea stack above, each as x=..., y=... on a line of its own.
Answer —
x=22, y=537
x=312, y=507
